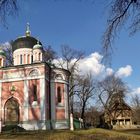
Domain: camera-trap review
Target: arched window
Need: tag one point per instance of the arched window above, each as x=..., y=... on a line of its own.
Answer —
x=34, y=72
x=31, y=58
x=39, y=57
x=35, y=92
x=59, y=96
x=21, y=59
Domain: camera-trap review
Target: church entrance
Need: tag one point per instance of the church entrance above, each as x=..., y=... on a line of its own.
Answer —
x=11, y=112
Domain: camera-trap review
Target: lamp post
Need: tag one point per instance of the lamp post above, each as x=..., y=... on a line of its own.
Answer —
x=71, y=122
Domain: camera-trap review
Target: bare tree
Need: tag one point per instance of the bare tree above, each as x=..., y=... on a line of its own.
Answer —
x=7, y=7
x=69, y=61
x=7, y=47
x=136, y=108
x=109, y=90
x=119, y=13
x=84, y=92
x=92, y=116
x=49, y=54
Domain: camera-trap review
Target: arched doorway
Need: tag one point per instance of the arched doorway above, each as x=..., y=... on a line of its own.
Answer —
x=11, y=111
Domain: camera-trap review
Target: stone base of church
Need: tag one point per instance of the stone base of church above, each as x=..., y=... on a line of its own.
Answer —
x=61, y=125
x=44, y=125
x=35, y=125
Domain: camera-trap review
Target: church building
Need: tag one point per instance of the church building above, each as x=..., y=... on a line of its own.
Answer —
x=33, y=93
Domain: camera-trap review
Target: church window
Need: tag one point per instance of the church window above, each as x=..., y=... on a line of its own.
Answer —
x=21, y=59
x=31, y=58
x=59, y=96
x=28, y=59
x=35, y=92
x=34, y=72
x=39, y=56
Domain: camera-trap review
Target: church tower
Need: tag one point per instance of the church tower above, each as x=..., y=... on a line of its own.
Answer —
x=27, y=49
x=37, y=53
x=2, y=58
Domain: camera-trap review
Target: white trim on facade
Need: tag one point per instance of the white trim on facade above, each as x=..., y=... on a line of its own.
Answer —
x=66, y=101
x=42, y=99
x=26, y=101
x=0, y=101
x=53, y=103
x=59, y=81
x=24, y=78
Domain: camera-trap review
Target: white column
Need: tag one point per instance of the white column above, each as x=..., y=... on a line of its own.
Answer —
x=66, y=100
x=41, y=57
x=0, y=106
x=42, y=99
x=38, y=56
x=30, y=58
x=18, y=59
x=26, y=101
x=33, y=56
x=2, y=62
x=14, y=59
x=53, y=103
x=26, y=60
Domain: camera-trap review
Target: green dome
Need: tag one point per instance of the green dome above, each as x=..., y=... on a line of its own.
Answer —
x=37, y=46
x=2, y=52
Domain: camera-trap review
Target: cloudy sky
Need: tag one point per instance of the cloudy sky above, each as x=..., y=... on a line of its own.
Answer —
x=79, y=25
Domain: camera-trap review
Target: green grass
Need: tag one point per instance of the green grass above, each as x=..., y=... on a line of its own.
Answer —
x=130, y=131
x=91, y=134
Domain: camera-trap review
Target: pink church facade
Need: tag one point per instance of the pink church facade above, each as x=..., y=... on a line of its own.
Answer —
x=33, y=93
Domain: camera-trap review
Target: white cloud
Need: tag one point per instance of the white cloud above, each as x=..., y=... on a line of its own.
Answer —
x=124, y=71
x=6, y=44
x=91, y=63
x=136, y=91
x=109, y=71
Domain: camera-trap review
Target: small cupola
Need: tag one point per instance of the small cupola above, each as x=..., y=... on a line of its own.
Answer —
x=37, y=52
x=37, y=46
x=2, y=58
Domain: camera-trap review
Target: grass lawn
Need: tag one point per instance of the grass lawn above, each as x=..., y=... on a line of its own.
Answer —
x=91, y=134
x=130, y=131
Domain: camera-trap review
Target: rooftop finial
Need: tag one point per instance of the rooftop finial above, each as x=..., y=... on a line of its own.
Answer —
x=28, y=32
x=37, y=40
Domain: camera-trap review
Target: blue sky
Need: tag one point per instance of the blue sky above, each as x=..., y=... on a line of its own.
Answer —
x=79, y=25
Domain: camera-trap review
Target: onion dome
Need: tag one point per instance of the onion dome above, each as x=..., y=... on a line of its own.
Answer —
x=2, y=53
x=25, y=41
x=37, y=46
